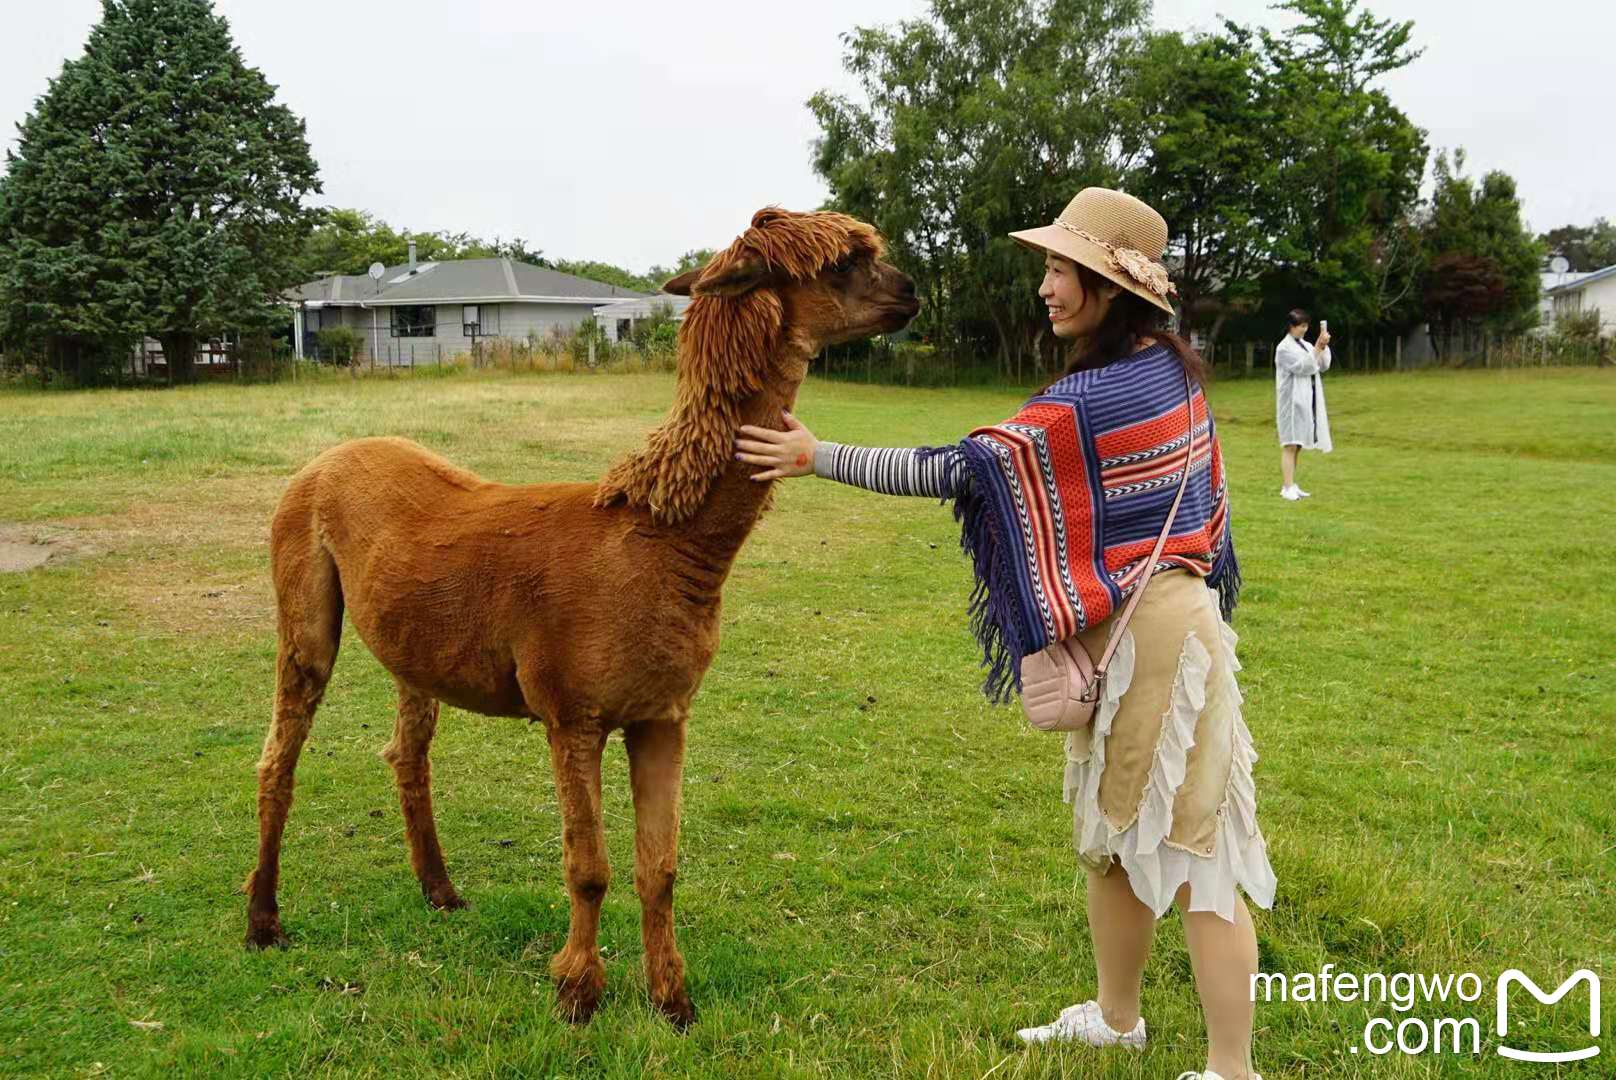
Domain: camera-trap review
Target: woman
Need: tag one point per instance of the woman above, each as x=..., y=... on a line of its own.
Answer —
x=1299, y=399
x=1061, y=506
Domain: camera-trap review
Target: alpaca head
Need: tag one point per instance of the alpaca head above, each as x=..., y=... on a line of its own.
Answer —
x=787, y=287
x=802, y=279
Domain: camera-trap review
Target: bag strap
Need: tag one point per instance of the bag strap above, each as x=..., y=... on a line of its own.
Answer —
x=1161, y=541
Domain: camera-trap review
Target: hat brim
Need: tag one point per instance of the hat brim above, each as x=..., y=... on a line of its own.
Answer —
x=1054, y=240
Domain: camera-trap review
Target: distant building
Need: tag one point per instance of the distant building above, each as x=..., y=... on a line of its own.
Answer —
x=422, y=311
x=1548, y=280
x=1586, y=293
x=618, y=319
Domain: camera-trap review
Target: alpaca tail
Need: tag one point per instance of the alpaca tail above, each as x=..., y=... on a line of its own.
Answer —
x=308, y=586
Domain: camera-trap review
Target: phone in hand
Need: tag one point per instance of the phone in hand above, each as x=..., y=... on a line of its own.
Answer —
x=1324, y=324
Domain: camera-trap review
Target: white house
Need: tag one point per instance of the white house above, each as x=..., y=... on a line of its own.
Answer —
x=1548, y=281
x=1588, y=292
x=420, y=312
x=618, y=318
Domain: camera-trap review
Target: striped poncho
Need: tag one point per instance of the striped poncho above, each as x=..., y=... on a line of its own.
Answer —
x=1061, y=505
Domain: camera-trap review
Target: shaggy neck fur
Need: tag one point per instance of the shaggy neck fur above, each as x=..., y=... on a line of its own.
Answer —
x=737, y=365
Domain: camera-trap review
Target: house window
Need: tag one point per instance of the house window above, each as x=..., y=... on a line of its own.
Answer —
x=625, y=327
x=1567, y=304
x=479, y=320
x=415, y=321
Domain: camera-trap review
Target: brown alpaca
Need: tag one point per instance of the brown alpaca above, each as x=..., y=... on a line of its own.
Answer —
x=591, y=607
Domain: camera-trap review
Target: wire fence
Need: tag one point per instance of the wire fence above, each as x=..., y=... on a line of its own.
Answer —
x=879, y=361
x=918, y=364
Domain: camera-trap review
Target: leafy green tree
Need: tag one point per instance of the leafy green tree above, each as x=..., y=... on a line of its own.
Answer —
x=611, y=275
x=440, y=246
x=981, y=117
x=659, y=275
x=349, y=241
x=1483, y=262
x=1206, y=126
x=659, y=327
x=1349, y=165
x=1351, y=44
x=156, y=188
x=339, y=344
x=1587, y=248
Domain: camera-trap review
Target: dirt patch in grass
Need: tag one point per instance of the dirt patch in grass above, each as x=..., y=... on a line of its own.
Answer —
x=184, y=600
x=196, y=562
x=217, y=513
x=25, y=547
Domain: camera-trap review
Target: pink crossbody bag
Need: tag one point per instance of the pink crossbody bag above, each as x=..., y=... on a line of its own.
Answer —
x=1061, y=685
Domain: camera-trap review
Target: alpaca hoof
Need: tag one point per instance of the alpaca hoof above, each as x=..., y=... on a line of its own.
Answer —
x=445, y=898
x=577, y=998
x=266, y=935
x=679, y=1011
x=579, y=986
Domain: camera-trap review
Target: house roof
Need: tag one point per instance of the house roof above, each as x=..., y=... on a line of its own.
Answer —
x=336, y=289
x=1548, y=279
x=1584, y=279
x=643, y=306
x=460, y=281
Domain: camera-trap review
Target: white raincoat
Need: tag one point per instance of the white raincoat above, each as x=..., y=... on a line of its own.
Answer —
x=1299, y=395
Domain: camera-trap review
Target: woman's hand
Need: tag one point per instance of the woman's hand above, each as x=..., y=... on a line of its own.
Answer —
x=1323, y=342
x=781, y=453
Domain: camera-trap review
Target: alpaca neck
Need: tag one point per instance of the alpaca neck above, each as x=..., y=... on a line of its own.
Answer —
x=736, y=501
x=700, y=499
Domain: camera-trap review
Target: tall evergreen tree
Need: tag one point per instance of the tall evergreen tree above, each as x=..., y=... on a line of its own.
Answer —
x=156, y=188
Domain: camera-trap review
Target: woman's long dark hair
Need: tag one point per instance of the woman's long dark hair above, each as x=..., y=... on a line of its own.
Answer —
x=1129, y=318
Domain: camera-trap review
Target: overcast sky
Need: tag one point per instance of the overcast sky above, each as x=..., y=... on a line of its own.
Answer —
x=633, y=131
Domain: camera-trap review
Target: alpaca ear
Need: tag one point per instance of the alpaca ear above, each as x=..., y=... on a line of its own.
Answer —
x=730, y=277
x=680, y=286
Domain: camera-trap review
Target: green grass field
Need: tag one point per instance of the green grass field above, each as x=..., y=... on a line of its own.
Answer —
x=876, y=873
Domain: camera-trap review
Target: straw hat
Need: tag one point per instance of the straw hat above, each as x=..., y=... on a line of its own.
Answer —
x=1113, y=234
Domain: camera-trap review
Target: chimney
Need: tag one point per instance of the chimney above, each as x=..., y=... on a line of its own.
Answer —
x=412, y=255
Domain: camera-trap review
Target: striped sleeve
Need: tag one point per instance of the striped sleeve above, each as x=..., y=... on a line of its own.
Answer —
x=890, y=471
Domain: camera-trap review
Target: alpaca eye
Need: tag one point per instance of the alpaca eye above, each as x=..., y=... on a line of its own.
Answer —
x=844, y=265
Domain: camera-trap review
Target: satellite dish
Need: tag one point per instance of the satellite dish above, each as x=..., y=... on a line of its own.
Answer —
x=376, y=271
x=1559, y=264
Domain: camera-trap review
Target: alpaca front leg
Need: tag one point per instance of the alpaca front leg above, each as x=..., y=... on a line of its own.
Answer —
x=656, y=752
x=579, y=975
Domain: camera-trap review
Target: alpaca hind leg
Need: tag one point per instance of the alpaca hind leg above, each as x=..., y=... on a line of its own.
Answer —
x=299, y=686
x=309, y=603
x=579, y=975
x=656, y=765
x=407, y=754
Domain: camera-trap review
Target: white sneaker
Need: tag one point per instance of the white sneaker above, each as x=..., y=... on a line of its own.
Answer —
x=1303, y=494
x=1291, y=493
x=1084, y=1023
x=1208, y=1075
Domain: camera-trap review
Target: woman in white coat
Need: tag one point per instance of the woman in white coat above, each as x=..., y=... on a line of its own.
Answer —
x=1299, y=398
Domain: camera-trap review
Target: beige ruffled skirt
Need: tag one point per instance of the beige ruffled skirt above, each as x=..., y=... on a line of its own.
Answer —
x=1161, y=783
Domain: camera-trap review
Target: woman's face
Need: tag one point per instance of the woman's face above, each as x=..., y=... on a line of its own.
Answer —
x=1072, y=312
x=1298, y=330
